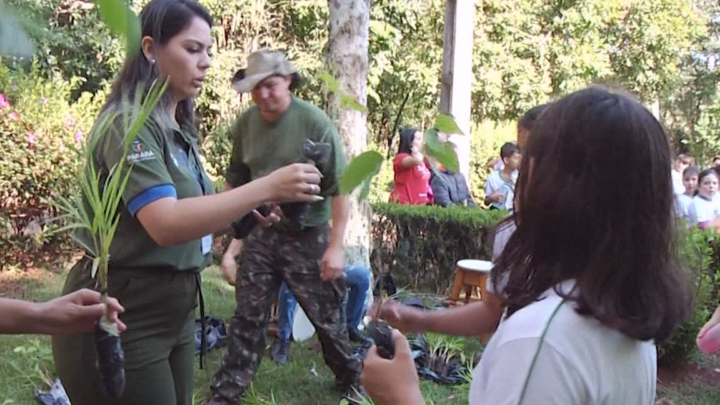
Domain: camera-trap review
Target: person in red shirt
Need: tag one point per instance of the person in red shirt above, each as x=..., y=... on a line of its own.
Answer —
x=412, y=171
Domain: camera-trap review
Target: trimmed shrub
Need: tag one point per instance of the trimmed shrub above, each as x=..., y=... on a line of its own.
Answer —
x=420, y=245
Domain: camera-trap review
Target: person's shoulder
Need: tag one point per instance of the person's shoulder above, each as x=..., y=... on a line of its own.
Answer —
x=494, y=176
x=116, y=121
x=558, y=324
x=249, y=113
x=310, y=112
x=400, y=156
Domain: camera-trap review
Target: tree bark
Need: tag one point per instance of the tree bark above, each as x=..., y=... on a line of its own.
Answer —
x=347, y=60
x=457, y=74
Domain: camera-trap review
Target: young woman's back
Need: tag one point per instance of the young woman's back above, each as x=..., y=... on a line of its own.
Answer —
x=581, y=362
x=589, y=278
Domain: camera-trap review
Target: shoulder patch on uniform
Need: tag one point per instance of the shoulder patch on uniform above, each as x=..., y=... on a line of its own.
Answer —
x=137, y=153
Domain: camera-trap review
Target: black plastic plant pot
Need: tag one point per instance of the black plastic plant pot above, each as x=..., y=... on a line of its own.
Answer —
x=244, y=226
x=111, y=361
x=295, y=212
x=381, y=333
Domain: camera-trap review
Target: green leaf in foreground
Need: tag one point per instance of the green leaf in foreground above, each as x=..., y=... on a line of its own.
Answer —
x=361, y=169
x=122, y=21
x=330, y=82
x=444, y=152
x=351, y=103
x=447, y=125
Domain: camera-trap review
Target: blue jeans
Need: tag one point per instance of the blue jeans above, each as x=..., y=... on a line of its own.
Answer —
x=358, y=281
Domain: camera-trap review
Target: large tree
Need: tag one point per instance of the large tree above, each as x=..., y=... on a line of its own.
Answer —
x=347, y=59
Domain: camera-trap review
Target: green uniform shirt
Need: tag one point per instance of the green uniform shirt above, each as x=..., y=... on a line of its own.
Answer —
x=162, y=165
x=260, y=147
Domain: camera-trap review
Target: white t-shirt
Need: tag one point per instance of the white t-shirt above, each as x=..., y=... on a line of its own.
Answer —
x=677, y=180
x=502, y=236
x=703, y=210
x=682, y=205
x=495, y=183
x=581, y=361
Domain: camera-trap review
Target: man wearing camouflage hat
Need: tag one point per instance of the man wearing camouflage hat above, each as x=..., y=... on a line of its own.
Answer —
x=309, y=258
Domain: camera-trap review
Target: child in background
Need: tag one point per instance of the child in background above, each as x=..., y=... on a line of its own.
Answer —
x=500, y=185
x=524, y=128
x=705, y=208
x=690, y=182
x=681, y=163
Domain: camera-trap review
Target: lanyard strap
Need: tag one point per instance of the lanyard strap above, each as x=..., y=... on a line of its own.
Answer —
x=537, y=352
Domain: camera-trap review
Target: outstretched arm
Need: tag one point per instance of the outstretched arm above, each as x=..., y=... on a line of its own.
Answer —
x=70, y=314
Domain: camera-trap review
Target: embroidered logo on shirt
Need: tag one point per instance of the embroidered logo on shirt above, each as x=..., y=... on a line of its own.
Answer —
x=139, y=155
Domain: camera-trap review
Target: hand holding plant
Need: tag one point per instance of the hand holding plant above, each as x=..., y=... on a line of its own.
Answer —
x=392, y=382
x=295, y=182
x=399, y=316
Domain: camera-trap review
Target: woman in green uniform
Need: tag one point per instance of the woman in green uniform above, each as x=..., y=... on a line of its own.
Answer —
x=167, y=217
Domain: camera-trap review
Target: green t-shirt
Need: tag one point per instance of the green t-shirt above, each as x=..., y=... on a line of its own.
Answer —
x=162, y=165
x=260, y=147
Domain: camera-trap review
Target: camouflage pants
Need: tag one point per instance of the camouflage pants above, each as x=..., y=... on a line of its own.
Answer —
x=269, y=257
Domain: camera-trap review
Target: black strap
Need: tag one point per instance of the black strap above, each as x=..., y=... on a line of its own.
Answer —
x=203, y=321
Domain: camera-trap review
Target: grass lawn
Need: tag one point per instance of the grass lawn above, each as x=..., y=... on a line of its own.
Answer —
x=27, y=360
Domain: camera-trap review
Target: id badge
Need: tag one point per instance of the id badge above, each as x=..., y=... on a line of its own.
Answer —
x=207, y=244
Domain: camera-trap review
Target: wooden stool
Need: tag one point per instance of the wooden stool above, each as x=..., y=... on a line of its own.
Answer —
x=471, y=275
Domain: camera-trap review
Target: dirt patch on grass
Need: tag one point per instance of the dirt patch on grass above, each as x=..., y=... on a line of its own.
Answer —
x=18, y=283
x=23, y=283
x=706, y=371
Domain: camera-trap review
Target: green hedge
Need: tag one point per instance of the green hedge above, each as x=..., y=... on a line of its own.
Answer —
x=420, y=245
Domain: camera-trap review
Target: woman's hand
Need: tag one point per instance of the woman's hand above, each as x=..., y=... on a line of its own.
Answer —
x=295, y=182
x=392, y=382
x=272, y=218
x=229, y=268
x=399, y=316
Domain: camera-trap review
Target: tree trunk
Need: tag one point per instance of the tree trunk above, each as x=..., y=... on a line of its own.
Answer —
x=457, y=74
x=347, y=59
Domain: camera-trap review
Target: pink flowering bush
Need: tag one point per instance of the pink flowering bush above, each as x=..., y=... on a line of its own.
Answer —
x=41, y=133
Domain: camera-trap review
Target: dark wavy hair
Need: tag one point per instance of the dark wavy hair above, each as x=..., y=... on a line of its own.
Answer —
x=576, y=222
x=528, y=119
x=407, y=135
x=161, y=20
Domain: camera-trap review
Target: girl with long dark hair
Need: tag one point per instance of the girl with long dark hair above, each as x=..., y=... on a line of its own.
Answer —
x=589, y=280
x=412, y=171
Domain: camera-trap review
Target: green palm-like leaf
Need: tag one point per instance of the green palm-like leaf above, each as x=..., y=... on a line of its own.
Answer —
x=442, y=151
x=361, y=169
x=122, y=22
x=447, y=125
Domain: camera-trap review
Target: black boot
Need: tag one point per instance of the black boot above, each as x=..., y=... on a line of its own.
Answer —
x=280, y=351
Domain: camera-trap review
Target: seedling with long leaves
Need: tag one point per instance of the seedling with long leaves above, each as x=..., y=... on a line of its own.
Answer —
x=380, y=331
x=93, y=216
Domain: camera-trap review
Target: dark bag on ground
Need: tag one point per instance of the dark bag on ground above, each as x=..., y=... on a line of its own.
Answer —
x=215, y=333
